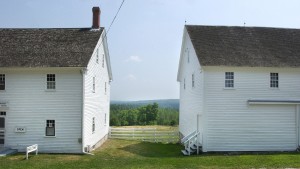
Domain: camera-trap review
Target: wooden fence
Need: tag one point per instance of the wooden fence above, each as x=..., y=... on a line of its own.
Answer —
x=145, y=134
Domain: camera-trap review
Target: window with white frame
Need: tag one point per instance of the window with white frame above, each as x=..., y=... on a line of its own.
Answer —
x=50, y=81
x=193, y=80
x=97, y=56
x=94, y=84
x=2, y=81
x=93, y=125
x=50, y=128
x=274, y=80
x=103, y=60
x=229, y=79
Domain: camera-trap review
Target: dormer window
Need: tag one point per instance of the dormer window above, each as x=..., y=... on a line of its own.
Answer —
x=193, y=80
x=188, y=55
x=94, y=84
x=97, y=56
x=103, y=60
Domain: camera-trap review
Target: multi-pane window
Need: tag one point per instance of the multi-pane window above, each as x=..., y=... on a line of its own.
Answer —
x=94, y=84
x=229, y=80
x=50, y=81
x=50, y=127
x=193, y=80
x=274, y=80
x=3, y=113
x=93, y=125
x=103, y=60
x=2, y=81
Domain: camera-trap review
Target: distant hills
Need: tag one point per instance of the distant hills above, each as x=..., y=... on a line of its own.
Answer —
x=163, y=103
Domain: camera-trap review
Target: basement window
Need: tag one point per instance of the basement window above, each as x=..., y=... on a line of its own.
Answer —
x=3, y=113
x=274, y=80
x=50, y=81
x=50, y=127
x=2, y=81
x=229, y=79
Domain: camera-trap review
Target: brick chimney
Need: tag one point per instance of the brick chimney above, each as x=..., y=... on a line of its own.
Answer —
x=96, y=18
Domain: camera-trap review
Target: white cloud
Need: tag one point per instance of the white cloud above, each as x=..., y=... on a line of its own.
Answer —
x=130, y=77
x=134, y=59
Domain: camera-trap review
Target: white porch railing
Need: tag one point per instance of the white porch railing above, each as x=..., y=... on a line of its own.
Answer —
x=190, y=141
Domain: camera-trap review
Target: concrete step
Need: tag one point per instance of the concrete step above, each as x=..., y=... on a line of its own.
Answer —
x=7, y=151
x=184, y=152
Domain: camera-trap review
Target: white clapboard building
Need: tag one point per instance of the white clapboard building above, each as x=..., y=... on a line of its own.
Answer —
x=240, y=87
x=55, y=88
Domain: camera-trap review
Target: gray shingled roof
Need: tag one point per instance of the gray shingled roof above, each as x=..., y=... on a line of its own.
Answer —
x=246, y=46
x=55, y=47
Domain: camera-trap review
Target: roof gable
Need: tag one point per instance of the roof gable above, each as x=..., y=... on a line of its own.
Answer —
x=55, y=47
x=246, y=46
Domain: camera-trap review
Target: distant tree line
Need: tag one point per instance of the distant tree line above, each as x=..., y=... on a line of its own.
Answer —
x=151, y=114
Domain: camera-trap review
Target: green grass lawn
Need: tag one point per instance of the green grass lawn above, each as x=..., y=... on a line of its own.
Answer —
x=122, y=154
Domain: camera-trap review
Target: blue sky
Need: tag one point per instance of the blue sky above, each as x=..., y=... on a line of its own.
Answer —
x=145, y=40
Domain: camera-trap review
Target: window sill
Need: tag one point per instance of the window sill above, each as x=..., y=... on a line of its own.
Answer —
x=2, y=91
x=228, y=88
x=49, y=136
x=274, y=88
x=50, y=90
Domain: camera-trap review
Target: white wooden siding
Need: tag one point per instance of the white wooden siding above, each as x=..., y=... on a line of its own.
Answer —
x=191, y=98
x=30, y=105
x=233, y=125
x=96, y=103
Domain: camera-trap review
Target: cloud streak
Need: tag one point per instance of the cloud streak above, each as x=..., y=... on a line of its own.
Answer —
x=130, y=77
x=134, y=59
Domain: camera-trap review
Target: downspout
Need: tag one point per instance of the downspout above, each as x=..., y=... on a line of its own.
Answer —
x=297, y=123
x=83, y=72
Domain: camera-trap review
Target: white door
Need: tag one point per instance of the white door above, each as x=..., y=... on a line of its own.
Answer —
x=2, y=131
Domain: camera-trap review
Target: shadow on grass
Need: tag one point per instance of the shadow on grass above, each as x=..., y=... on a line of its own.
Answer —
x=154, y=149
x=174, y=150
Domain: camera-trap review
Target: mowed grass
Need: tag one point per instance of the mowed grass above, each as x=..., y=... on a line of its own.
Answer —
x=158, y=127
x=123, y=154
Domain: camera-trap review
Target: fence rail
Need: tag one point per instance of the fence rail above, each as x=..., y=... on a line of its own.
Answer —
x=145, y=134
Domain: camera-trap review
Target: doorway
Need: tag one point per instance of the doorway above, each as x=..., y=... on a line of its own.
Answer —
x=2, y=131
